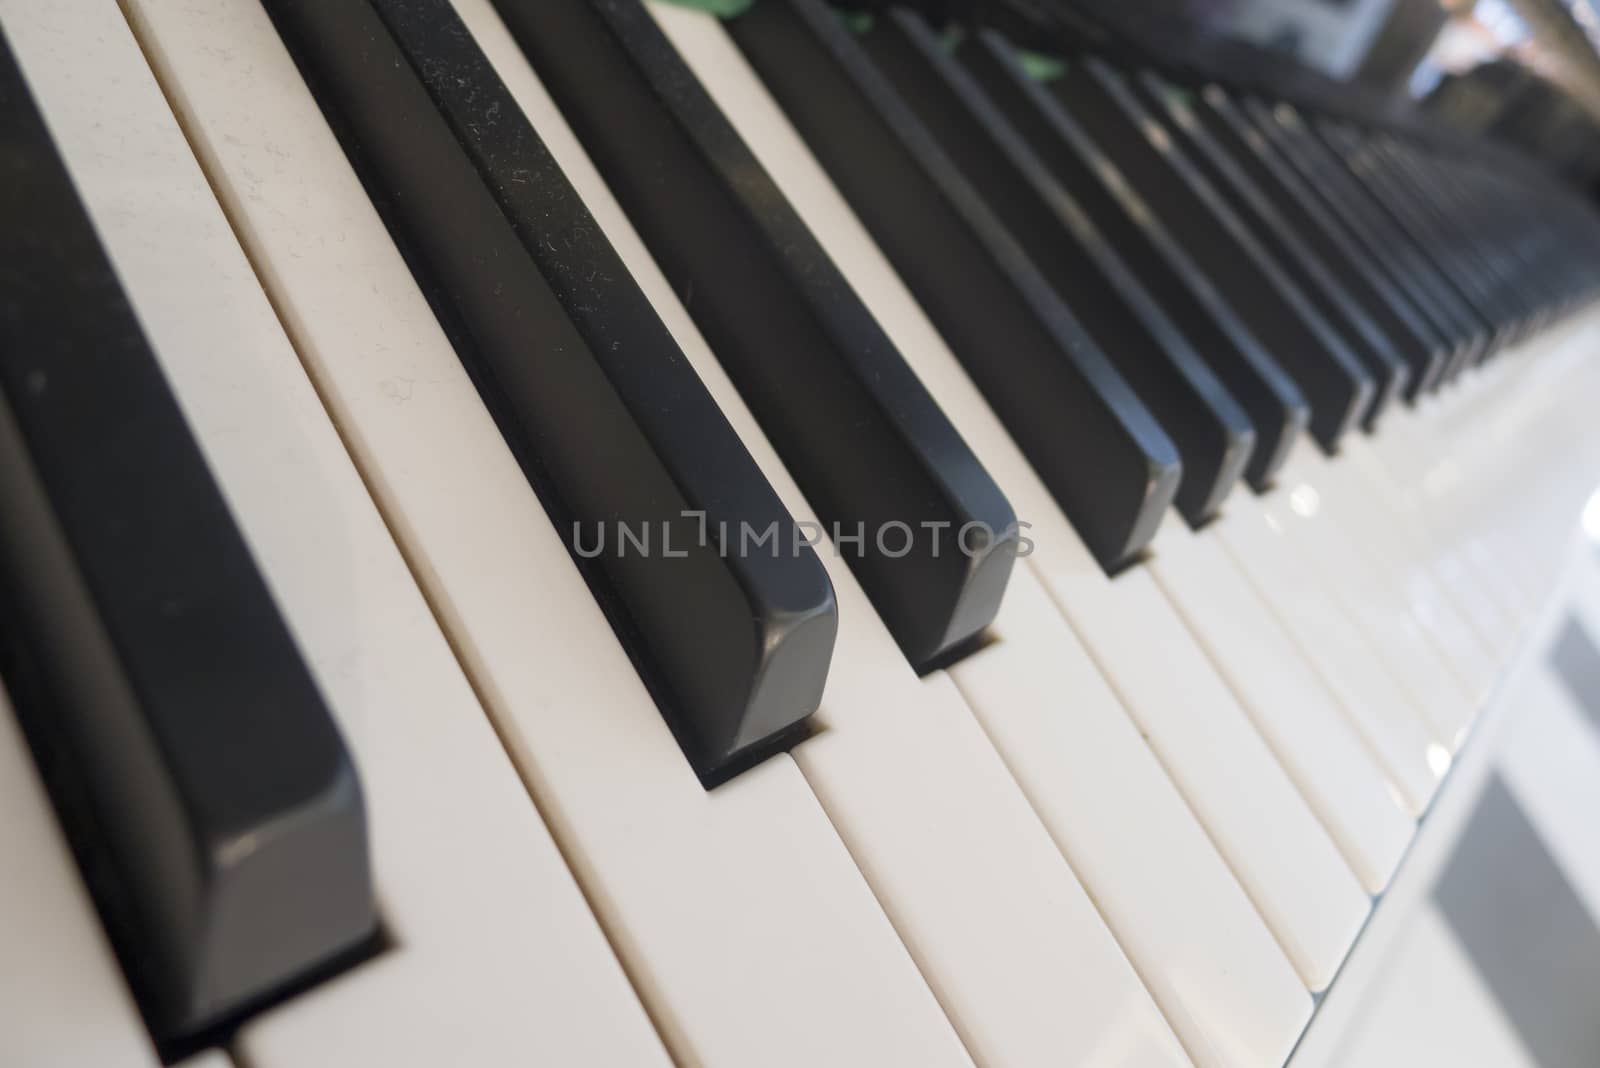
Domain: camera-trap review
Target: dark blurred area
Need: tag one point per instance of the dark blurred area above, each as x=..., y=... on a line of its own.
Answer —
x=1522, y=73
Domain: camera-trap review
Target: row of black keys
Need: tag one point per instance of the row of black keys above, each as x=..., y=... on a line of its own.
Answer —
x=1156, y=288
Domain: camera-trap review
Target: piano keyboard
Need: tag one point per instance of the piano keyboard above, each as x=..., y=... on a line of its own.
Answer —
x=617, y=532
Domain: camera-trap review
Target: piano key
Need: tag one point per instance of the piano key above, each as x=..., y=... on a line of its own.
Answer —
x=612, y=429
x=1102, y=454
x=1398, y=466
x=1401, y=642
x=1426, y=348
x=728, y=909
x=1213, y=435
x=1343, y=305
x=1364, y=508
x=1340, y=389
x=63, y=1002
x=1343, y=654
x=1433, y=214
x=867, y=445
x=1186, y=312
x=458, y=851
x=1277, y=687
x=1390, y=248
x=190, y=751
x=211, y=1058
x=1311, y=901
x=1449, y=244
x=1011, y=945
x=1216, y=972
x=1080, y=758
x=1366, y=214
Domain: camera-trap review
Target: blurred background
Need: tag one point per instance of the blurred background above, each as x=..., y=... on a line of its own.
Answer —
x=1524, y=72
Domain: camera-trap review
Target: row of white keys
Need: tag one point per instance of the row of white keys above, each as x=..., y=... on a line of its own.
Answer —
x=458, y=852
x=1388, y=468
x=63, y=1001
x=746, y=928
x=1011, y=945
x=1405, y=649
x=1352, y=513
x=1275, y=683
x=1343, y=655
x=1402, y=558
x=1047, y=754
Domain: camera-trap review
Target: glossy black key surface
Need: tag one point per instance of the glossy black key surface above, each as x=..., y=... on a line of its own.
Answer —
x=199, y=775
x=1185, y=337
x=1442, y=247
x=1369, y=280
x=1213, y=435
x=1092, y=442
x=870, y=449
x=1274, y=310
x=1292, y=250
x=1364, y=219
x=1469, y=248
x=667, y=514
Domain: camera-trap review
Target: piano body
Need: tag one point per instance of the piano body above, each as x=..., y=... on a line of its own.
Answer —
x=628, y=532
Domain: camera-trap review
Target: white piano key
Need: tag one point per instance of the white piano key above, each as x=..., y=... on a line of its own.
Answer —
x=1297, y=717
x=1383, y=541
x=813, y=195
x=63, y=1000
x=1389, y=466
x=458, y=852
x=1348, y=575
x=1280, y=853
x=745, y=926
x=1188, y=928
x=1006, y=937
x=211, y=1058
x=1392, y=725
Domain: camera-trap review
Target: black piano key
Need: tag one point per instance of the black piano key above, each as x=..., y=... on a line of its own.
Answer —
x=201, y=778
x=1093, y=443
x=1178, y=310
x=1292, y=250
x=1213, y=435
x=1369, y=280
x=1453, y=259
x=1468, y=244
x=867, y=445
x=1353, y=207
x=1272, y=308
x=733, y=634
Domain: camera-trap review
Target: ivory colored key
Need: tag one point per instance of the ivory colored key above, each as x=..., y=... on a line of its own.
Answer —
x=1296, y=715
x=1224, y=985
x=1006, y=937
x=1481, y=597
x=1359, y=503
x=1392, y=726
x=729, y=908
x=1399, y=639
x=211, y=1058
x=63, y=1001
x=458, y=852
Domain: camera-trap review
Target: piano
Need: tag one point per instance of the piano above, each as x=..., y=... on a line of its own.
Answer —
x=629, y=532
